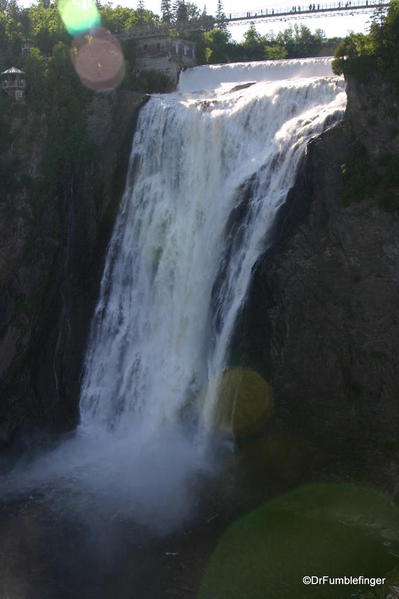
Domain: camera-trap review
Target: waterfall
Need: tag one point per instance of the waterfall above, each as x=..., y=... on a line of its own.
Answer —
x=177, y=270
x=210, y=166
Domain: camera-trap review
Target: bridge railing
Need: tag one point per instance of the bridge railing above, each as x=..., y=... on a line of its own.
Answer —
x=298, y=9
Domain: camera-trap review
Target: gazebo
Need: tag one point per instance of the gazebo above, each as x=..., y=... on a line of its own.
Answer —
x=14, y=83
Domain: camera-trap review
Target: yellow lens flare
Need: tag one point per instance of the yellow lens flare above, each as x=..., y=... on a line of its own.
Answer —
x=244, y=403
x=98, y=60
x=79, y=15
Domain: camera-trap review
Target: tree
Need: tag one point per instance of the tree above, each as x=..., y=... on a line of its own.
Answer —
x=363, y=55
x=300, y=42
x=140, y=10
x=193, y=13
x=220, y=17
x=166, y=10
x=180, y=13
x=118, y=18
x=206, y=21
x=46, y=28
x=217, y=46
x=275, y=52
x=254, y=44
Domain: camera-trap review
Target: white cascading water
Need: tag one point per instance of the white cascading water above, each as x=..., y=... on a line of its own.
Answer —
x=227, y=143
x=154, y=345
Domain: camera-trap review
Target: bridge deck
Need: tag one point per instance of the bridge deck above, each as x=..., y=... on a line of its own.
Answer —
x=311, y=9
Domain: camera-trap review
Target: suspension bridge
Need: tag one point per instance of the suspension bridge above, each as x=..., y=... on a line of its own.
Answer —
x=350, y=7
x=300, y=11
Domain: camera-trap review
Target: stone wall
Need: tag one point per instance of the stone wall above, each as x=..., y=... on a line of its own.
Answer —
x=163, y=64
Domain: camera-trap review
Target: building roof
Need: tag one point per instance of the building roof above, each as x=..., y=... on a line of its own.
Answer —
x=13, y=71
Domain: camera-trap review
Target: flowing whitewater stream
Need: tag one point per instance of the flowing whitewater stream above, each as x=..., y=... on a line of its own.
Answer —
x=210, y=166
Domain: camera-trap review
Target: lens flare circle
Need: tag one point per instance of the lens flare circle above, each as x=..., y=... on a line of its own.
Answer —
x=79, y=15
x=98, y=60
x=244, y=403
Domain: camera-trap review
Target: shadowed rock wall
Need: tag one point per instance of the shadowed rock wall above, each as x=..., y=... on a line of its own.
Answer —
x=322, y=318
x=50, y=271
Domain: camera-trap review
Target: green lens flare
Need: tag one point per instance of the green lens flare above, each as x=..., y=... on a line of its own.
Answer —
x=327, y=529
x=79, y=15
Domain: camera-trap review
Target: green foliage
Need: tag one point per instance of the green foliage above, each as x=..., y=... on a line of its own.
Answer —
x=35, y=69
x=378, y=51
x=166, y=10
x=46, y=28
x=254, y=44
x=295, y=42
x=358, y=177
x=275, y=52
x=69, y=149
x=216, y=46
x=300, y=42
x=361, y=181
x=118, y=18
x=220, y=16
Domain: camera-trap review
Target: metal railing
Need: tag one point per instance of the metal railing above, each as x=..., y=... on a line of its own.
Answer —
x=312, y=9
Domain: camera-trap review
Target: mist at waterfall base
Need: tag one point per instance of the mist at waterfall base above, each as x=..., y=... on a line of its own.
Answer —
x=176, y=275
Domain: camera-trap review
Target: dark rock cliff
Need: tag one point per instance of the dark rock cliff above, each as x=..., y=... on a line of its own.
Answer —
x=322, y=318
x=50, y=269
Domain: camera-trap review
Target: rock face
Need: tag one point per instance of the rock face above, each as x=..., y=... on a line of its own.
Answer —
x=372, y=115
x=50, y=270
x=322, y=318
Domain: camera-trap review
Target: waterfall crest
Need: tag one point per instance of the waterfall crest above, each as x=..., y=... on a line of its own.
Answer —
x=179, y=262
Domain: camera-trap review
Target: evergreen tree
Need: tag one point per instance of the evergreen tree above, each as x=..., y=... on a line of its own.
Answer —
x=180, y=13
x=140, y=10
x=206, y=21
x=166, y=11
x=220, y=17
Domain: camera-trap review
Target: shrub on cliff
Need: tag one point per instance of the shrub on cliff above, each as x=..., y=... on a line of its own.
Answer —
x=361, y=180
x=378, y=51
x=358, y=177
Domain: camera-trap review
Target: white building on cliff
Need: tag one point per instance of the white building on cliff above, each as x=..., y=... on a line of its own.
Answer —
x=13, y=83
